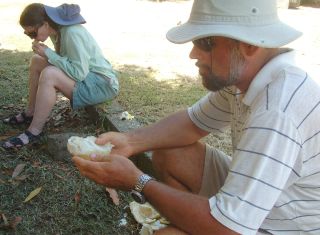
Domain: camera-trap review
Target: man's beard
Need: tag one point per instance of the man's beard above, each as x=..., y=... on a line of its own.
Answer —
x=214, y=83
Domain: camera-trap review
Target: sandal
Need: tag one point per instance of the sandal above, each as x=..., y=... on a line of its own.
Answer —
x=14, y=120
x=21, y=140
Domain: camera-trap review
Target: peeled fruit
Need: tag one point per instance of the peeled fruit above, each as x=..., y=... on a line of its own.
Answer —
x=84, y=147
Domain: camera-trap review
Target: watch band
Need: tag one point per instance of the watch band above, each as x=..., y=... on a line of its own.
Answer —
x=137, y=193
x=142, y=181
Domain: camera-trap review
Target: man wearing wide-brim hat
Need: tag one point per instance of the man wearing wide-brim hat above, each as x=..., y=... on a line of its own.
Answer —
x=270, y=184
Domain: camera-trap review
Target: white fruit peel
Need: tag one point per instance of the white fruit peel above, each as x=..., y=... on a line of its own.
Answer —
x=146, y=215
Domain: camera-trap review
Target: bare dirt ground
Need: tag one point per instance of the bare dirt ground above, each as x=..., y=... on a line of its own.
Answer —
x=133, y=32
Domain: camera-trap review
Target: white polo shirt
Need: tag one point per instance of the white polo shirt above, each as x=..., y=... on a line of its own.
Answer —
x=274, y=179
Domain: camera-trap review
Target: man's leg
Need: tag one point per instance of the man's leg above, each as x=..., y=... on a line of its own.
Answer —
x=169, y=231
x=181, y=168
x=192, y=168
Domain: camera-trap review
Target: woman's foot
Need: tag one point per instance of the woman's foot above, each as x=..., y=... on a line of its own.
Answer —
x=20, y=118
x=21, y=140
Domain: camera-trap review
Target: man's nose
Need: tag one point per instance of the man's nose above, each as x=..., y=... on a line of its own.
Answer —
x=194, y=53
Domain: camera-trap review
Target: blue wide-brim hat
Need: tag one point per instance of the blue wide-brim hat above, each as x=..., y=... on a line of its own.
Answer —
x=65, y=14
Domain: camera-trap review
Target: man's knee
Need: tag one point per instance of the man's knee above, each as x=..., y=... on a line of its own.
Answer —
x=159, y=156
x=160, y=161
x=169, y=231
x=166, y=157
x=184, y=164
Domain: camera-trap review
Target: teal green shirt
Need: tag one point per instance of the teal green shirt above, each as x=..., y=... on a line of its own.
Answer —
x=79, y=54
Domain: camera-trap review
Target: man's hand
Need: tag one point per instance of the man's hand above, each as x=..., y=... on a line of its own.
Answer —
x=120, y=141
x=118, y=172
x=39, y=48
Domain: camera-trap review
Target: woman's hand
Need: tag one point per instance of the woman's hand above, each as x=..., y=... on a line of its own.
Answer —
x=39, y=48
x=117, y=172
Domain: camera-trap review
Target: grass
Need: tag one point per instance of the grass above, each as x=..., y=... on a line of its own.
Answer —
x=55, y=210
x=149, y=99
x=68, y=203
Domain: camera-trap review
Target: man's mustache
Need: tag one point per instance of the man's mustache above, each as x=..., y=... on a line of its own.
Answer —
x=199, y=64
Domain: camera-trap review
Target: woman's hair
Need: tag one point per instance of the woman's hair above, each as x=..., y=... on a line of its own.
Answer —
x=34, y=15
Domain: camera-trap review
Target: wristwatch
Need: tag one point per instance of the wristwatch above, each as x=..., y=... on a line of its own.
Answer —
x=136, y=193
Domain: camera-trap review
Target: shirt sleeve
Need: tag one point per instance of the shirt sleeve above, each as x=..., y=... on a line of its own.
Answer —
x=75, y=61
x=211, y=113
x=265, y=162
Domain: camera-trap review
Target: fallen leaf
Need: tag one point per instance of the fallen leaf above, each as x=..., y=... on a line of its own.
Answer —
x=8, y=135
x=77, y=197
x=19, y=168
x=5, y=220
x=15, y=222
x=36, y=164
x=7, y=172
x=57, y=118
x=59, y=176
x=113, y=195
x=33, y=194
x=21, y=177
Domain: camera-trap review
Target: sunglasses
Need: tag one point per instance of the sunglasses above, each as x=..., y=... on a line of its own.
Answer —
x=204, y=44
x=34, y=33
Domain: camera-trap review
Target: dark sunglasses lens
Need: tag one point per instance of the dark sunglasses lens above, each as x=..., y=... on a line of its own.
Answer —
x=32, y=35
x=203, y=44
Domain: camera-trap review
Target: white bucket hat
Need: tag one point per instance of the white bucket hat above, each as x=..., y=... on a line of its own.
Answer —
x=255, y=22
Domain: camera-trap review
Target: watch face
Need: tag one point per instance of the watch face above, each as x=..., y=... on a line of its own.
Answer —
x=138, y=197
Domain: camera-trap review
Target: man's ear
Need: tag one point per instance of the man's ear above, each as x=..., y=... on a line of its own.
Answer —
x=248, y=50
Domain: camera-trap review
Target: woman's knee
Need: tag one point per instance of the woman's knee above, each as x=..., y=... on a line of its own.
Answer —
x=37, y=63
x=48, y=76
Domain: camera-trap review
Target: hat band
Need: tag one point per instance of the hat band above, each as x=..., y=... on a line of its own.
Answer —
x=202, y=18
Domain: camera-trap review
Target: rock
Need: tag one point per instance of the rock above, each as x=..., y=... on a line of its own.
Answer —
x=110, y=116
x=57, y=146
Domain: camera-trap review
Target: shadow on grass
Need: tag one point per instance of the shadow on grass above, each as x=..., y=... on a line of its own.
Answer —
x=310, y=3
x=13, y=83
x=149, y=99
x=13, y=76
x=68, y=203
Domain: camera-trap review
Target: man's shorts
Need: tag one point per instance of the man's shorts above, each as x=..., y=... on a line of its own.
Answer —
x=215, y=171
x=94, y=89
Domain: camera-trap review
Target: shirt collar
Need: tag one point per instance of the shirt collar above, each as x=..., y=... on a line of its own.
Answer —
x=267, y=74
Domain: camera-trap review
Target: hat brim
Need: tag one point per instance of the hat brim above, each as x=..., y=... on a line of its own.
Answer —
x=268, y=36
x=55, y=17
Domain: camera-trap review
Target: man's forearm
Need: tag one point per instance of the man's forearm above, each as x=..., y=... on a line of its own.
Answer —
x=173, y=131
x=189, y=212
